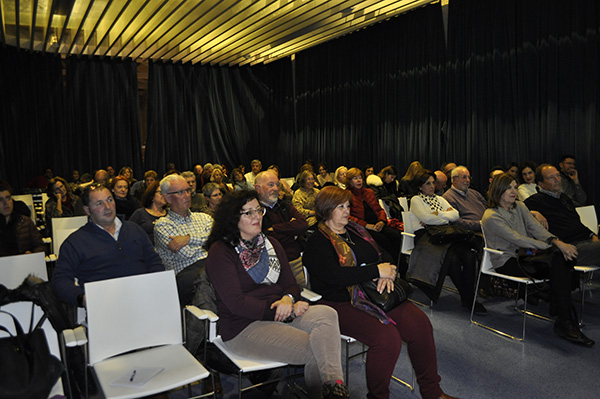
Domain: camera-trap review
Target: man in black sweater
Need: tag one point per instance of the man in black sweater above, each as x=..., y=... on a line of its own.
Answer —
x=563, y=220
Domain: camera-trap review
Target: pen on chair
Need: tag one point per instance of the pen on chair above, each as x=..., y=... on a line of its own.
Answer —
x=132, y=376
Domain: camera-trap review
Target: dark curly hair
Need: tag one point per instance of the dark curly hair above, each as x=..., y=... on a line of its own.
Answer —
x=228, y=216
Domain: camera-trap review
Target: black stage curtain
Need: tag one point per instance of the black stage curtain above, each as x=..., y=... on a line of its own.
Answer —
x=103, y=109
x=85, y=120
x=213, y=114
x=376, y=96
x=31, y=114
x=523, y=84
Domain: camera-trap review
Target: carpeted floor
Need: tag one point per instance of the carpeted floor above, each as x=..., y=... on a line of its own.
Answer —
x=476, y=363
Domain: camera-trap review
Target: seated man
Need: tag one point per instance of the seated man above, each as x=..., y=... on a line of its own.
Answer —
x=198, y=201
x=139, y=187
x=256, y=166
x=18, y=234
x=180, y=236
x=104, y=248
x=441, y=180
x=469, y=203
x=282, y=221
x=563, y=220
x=570, y=180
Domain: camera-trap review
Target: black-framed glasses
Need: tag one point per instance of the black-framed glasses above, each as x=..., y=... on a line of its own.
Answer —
x=260, y=211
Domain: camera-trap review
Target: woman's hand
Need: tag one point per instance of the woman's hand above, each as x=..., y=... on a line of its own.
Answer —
x=379, y=226
x=387, y=270
x=385, y=284
x=58, y=197
x=300, y=307
x=370, y=226
x=569, y=251
x=284, y=308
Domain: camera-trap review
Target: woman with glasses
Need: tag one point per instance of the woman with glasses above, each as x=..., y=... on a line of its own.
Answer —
x=62, y=203
x=154, y=208
x=261, y=313
x=213, y=194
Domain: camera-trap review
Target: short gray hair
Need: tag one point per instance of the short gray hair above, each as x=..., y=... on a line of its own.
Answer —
x=165, y=183
x=455, y=171
x=187, y=174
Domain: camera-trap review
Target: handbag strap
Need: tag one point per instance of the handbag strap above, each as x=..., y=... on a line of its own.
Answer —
x=18, y=327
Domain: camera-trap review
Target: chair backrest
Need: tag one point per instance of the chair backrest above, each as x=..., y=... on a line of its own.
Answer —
x=408, y=243
x=386, y=208
x=28, y=200
x=132, y=312
x=588, y=217
x=404, y=203
x=63, y=227
x=14, y=269
x=486, y=261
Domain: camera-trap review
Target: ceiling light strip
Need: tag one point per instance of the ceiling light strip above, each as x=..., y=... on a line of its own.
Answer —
x=80, y=28
x=143, y=25
x=125, y=28
x=112, y=25
x=34, y=7
x=64, y=29
x=49, y=24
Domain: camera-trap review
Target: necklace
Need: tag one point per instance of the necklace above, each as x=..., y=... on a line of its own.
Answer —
x=346, y=237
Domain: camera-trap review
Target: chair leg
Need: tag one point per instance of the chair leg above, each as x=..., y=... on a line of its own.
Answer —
x=347, y=363
x=582, y=289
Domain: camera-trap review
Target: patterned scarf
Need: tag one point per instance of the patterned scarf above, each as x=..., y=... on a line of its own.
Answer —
x=432, y=201
x=347, y=258
x=259, y=259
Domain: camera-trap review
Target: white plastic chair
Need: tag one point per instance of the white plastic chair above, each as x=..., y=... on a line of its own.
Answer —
x=486, y=268
x=135, y=329
x=13, y=270
x=590, y=220
x=62, y=229
x=385, y=207
x=404, y=203
x=408, y=235
x=28, y=200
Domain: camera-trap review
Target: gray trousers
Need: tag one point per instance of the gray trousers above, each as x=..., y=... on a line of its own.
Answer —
x=588, y=253
x=312, y=340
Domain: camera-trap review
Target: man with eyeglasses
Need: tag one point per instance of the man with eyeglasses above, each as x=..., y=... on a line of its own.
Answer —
x=104, y=248
x=180, y=236
x=563, y=220
x=282, y=221
x=198, y=201
x=570, y=180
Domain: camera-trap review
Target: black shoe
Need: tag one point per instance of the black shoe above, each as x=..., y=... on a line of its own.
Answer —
x=479, y=308
x=569, y=331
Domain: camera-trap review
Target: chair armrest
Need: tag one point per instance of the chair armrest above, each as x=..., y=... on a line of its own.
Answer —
x=202, y=314
x=493, y=251
x=75, y=337
x=310, y=296
x=408, y=234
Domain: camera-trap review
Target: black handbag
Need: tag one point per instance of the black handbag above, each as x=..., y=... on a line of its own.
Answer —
x=447, y=233
x=386, y=301
x=27, y=369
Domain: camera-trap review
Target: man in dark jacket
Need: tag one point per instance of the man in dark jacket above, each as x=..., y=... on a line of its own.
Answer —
x=18, y=234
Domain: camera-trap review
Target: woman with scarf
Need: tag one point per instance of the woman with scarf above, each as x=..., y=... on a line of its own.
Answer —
x=366, y=211
x=258, y=300
x=457, y=258
x=341, y=254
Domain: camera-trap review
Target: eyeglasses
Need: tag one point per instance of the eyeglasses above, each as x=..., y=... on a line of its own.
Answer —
x=181, y=193
x=260, y=212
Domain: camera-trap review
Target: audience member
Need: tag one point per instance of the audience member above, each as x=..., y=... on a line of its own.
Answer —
x=285, y=191
x=217, y=178
x=256, y=166
x=198, y=202
x=407, y=188
x=570, y=180
x=111, y=173
x=180, y=236
x=526, y=179
x=304, y=197
x=510, y=228
x=339, y=177
x=139, y=187
x=469, y=203
x=61, y=202
x=441, y=182
x=512, y=168
x=369, y=170
x=197, y=169
x=282, y=221
x=18, y=234
x=125, y=203
x=239, y=181
x=563, y=220
x=213, y=194
x=100, y=177
x=104, y=248
x=127, y=173
x=324, y=177
x=205, y=176
x=153, y=204
x=429, y=261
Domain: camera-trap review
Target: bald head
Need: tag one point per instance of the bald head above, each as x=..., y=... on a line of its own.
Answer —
x=266, y=185
x=440, y=181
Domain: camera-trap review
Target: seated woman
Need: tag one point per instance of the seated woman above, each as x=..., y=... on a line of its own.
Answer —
x=526, y=177
x=458, y=257
x=213, y=194
x=339, y=177
x=127, y=173
x=324, y=177
x=304, y=197
x=258, y=300
x=385, y=188
x=366, y=211
x=239, y=180
x=341, y=254
x=153, y=208
x=509, y=227
x=62, y=203
x=407, y=187
x=126, y=204
x=217, y=178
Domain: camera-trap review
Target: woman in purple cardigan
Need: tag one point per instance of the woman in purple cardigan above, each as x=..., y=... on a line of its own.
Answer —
x=260, y=310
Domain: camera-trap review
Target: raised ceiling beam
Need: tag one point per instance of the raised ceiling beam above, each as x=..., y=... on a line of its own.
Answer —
x=93, y=31
x=112, y=25
x=81, y=24
x=129, y=23
x=17, y=23
x=64, y=28
x=34, y=7
x=144, y=24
